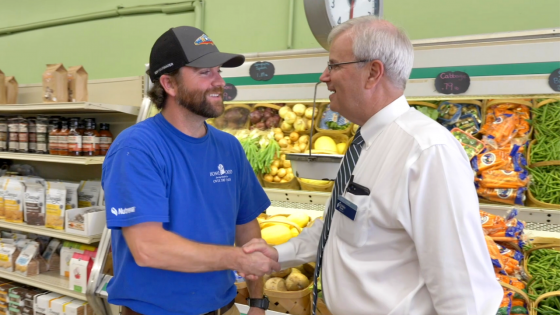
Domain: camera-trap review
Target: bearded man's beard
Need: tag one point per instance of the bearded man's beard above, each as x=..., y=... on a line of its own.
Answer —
x=197, y=102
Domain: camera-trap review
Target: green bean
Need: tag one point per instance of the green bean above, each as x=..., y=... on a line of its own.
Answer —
x=545, y=186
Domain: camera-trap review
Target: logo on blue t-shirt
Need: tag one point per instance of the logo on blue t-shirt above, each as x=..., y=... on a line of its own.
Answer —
x=123, y=211
x=221, y=175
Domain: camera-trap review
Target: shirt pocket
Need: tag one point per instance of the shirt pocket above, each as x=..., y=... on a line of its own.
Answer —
x=354, y=232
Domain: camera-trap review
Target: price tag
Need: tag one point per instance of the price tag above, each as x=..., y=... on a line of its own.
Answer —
x=262, y=71
x=554, y=80
x=230, y=92
x=452, y=82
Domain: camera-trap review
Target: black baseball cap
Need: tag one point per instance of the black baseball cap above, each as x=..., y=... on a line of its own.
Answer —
x=187, y=46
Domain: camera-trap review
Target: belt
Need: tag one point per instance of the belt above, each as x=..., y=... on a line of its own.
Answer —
x=128, y=311
x=222, y=310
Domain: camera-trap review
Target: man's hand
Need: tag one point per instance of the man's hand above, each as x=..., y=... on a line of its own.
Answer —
x=256, y=264
x=258, y=245
x=256, y=311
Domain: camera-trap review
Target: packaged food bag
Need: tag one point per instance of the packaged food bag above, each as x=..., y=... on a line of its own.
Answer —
x=71, y=195
x=14, y=195
x=88, y=195
x=55, y=83
x=12, y=90
x=35, y=204
x=77, y=84
x=29, y=262
x=8, y=255
x=56, y=205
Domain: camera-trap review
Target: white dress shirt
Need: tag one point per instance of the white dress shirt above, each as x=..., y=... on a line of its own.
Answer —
x=416, y=245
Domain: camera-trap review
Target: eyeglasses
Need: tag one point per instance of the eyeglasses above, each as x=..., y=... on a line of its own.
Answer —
x=330, y=66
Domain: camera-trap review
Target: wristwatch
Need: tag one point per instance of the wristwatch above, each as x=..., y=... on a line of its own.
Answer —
x=260, y=303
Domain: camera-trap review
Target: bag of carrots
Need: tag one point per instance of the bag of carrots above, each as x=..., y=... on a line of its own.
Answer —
x=492, y=223
x=510, y=196
x=503, y=129
x=502, y=179
x=496, y=159
x=494, y=251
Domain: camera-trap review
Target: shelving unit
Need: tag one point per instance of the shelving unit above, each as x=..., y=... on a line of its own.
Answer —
x=41, y=230
x=50, y=280
x=79, y=160
x=69, y=108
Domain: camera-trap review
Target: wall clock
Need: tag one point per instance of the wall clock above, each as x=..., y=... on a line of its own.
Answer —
x=323, y=15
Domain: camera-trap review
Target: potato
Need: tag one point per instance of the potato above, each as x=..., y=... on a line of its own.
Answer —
x=309, y=269
x=281, y=273
x=277, y=179
x=287, y=164
x=275, y=284
x=269, y=178
x=282, y=172
x=296, y=281
x=276, y=163
x=278, y=136
x=273, y=170
x=299, y=268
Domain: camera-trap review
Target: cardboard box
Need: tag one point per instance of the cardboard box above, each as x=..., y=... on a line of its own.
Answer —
x=16, y=296
x=55, y=306
x=80, y=269
x=30, y=297
x=77, y=307
x=41, y=302
x=66, y=252
x=4, y=308
x=5, y=291
x=85, y=221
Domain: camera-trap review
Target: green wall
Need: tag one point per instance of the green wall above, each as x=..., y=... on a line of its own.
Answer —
x=119, y=47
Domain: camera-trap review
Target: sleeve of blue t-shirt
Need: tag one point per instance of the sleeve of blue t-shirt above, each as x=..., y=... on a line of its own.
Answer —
x=253, y=200
x=135, y=191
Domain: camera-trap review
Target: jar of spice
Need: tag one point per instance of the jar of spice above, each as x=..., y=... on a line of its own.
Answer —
x=90, y=138
x=23, y=135
x=42, y=134
x=32, y=121
x=3, y=134
x=63, y=137
x=74, y=138
x=13, y=137
x=105, y=138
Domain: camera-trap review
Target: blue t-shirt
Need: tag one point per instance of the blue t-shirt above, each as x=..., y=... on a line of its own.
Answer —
x=199, y=188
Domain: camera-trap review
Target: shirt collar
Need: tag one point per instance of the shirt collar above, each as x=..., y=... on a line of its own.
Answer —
x=383, y=118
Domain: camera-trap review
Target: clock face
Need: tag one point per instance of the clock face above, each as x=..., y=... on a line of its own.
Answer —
x=323, y=15
x=340, y=11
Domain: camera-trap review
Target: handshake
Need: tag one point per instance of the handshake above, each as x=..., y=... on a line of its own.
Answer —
x=257, y=259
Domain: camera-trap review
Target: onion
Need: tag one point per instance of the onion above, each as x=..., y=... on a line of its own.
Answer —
x=255, y=117
x=260, y=126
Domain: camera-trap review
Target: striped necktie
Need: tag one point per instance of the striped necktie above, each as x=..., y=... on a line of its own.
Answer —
x=342, y=178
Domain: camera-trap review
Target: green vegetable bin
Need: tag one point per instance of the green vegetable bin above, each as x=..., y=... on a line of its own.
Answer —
x=541, y=243
x=329, y=132
x=530, y=307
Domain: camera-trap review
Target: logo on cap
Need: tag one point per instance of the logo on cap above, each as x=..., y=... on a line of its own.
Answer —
x=203, y=40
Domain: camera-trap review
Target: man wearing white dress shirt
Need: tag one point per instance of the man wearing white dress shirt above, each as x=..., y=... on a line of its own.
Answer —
x=415, y=245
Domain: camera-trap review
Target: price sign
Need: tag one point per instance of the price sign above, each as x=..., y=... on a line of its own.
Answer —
x=262, y=71
x=452, y=82
x=554, y=80
x=230, y=92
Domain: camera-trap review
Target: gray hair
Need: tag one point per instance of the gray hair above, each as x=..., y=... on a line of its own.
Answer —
x=383, y=42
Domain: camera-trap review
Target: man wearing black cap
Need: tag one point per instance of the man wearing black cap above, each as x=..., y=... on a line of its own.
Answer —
x=180, y=193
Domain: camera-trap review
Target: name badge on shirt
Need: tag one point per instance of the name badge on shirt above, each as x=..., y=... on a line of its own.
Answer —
x=346, y=207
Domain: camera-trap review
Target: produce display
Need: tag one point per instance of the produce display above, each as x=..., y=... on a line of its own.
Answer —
x=234, y=117
x=546, y=184
x=544, y=267
x=464, y=115
x=472, y=145
x=433, y=113
x=278, y=229
x=280, y=171
x=291, y=279
x=331, y=120
x=264, y=116
x=294, y=143
x=327, y=144
x=504, y=239
x=297, y=118
x=260, y=148
x=501, y=173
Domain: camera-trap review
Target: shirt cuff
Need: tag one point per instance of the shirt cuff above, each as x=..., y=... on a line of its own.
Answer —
x=286, y=254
